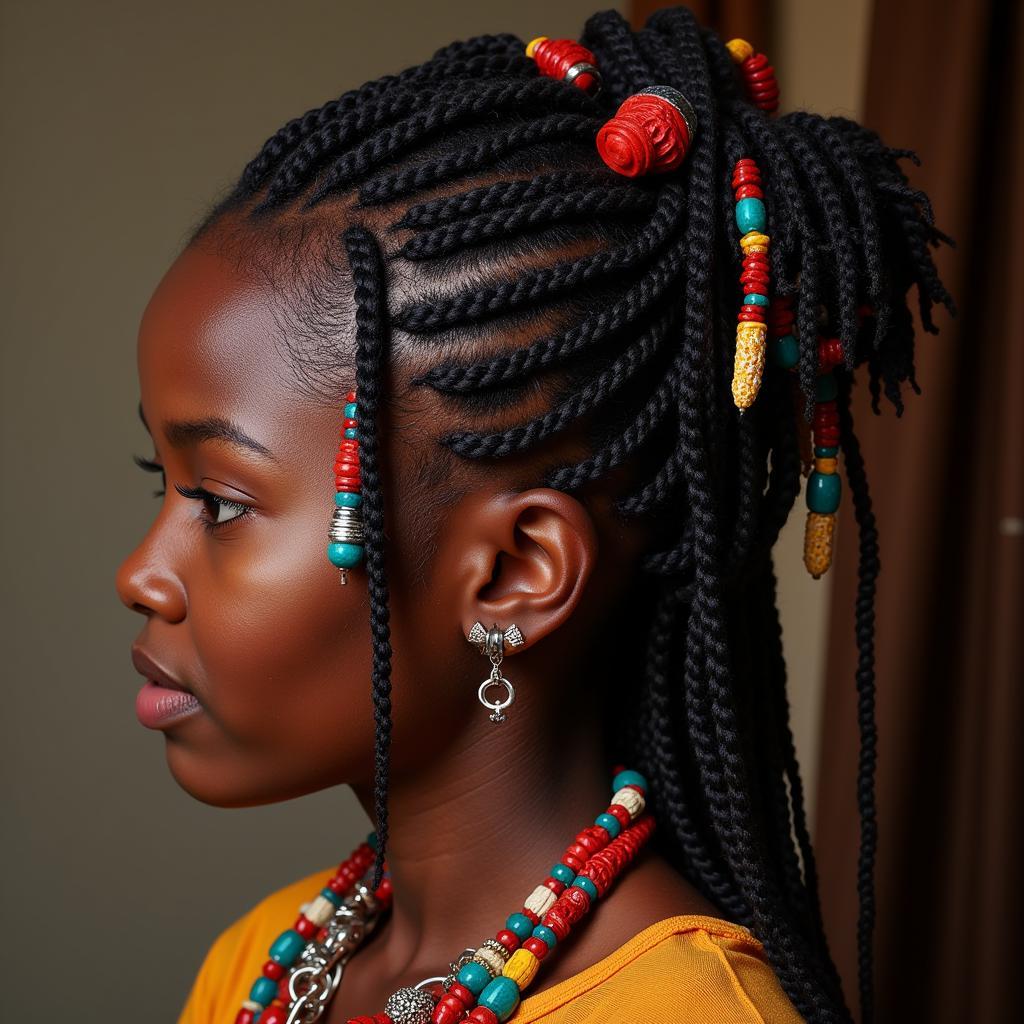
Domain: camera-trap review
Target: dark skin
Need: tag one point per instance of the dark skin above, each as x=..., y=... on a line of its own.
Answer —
x=252, y=619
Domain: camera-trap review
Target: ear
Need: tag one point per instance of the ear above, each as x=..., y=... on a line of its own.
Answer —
x=521, y=558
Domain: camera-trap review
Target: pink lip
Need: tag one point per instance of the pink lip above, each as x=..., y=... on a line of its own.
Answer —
x=163, y=700
x=157, y=707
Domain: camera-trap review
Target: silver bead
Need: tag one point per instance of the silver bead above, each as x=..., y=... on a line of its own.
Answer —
x=410, y=1006
x=346, y=526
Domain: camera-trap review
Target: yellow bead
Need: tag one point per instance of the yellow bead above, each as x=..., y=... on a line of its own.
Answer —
x=818, y=533
x=826, y=465
x=740, y=50
x=749, y=362
x=521, y=967
x=754, y=241
x=532, y=45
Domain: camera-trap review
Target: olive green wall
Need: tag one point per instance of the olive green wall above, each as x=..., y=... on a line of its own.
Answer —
x=120, y=121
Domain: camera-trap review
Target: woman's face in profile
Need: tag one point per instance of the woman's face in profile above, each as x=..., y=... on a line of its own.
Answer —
x=242, y=607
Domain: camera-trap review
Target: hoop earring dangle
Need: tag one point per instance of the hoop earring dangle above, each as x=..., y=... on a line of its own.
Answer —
x=492, y=643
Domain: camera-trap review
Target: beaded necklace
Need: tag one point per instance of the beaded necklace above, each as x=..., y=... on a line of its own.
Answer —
x=483, y=985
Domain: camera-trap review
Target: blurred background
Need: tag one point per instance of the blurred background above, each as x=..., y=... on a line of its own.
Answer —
x=121, y=121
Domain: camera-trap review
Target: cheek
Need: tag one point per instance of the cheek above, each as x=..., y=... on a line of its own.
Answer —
x=283, y=645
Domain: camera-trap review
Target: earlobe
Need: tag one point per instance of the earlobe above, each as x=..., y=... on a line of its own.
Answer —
x=526, y=559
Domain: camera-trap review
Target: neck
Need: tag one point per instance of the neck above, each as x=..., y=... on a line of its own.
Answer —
x=472, y=833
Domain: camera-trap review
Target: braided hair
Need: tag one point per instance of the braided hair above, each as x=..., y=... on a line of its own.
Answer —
x=474, y=183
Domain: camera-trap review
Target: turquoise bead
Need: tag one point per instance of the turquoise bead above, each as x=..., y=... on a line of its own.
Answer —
x=627, y=777
x=829, y=452
x=546, y=935
x=750, y=215
x=287, y=946
x=474, y=976
x=823, y=492
x=753, y=299
x=587, y=885
x=263, y=990
x=609, y=822
x=520, y=924
x=372, y=841
x=563, y=873
x=826, y=389
x=345, y=556
x=786, y=352
x=351, y=411
x=501, y=997
x=331, y=895
x=351, y=433
x=348, y=499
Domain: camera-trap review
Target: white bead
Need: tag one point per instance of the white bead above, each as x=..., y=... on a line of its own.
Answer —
x=630, y=799
x=320, y=911
x=540, y=900
x=491, y=958
x=251, y=1004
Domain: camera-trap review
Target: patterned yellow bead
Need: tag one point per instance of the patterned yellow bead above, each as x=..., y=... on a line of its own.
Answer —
x=754, y=241
x=740, y=50
x=818, y=533
x=532, y=45
x=521, y=967
x=826, y=465
x=630, y=799
x=749, y=363
x=540, y=900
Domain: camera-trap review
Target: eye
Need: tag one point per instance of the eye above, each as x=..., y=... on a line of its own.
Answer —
x=219, y=511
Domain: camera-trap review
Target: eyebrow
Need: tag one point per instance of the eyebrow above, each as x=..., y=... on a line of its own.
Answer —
x=183, y=433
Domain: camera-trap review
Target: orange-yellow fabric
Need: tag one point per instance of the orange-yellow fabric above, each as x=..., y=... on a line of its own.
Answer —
x=682, y=969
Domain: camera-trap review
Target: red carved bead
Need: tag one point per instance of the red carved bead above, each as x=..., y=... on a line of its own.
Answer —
x=647, y=135
x=508, y=939
x=462, y=994
x=557, y=921
x=556, y=58
x=538, y=947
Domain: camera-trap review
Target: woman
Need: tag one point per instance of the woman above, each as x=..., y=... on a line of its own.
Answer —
x=501, y=290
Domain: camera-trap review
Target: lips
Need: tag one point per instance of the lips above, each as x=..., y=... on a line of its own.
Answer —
x=147, y=667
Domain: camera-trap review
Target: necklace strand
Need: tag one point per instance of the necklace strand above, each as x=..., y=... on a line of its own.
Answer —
x=483, y=985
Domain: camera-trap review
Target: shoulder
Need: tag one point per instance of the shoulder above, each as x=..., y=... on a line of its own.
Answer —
x=235, y=958
x=683, y=968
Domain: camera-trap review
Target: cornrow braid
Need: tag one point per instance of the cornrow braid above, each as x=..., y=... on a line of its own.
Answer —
x=475, y=181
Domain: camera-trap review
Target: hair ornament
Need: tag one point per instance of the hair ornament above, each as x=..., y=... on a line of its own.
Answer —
x=650, y=133
x=566, y=60
x=758, y=75
x=346, y=532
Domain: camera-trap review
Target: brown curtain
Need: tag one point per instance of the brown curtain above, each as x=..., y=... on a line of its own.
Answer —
x=948, y=487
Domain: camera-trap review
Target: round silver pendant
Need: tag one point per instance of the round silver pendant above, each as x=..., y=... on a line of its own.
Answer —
x=497, y=709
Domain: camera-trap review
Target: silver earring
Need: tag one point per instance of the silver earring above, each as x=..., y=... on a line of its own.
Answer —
x=492, y=643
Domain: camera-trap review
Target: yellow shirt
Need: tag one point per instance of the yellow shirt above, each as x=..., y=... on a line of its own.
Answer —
x=687, y=969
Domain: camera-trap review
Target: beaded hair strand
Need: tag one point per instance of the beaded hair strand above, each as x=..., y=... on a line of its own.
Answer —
x=477, y=163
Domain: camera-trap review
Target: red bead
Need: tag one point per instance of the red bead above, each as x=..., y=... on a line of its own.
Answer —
x=305, y=927
x=349, y=424
x=749, y=192
x=508, y=939
x=361, y=1019
x=575, y=857
x=273, y=970
x=538, y=947
x=754, y=285
x=348, y=445
x=346, y=469
x=339, y=885
x=244, y=1016
x=527, y=912
x=274, y=1015
x=554, y=885
x=830, y=353
x=762, y=88
x=751, y=314
x=350, y=397
x=620, y=814
x=647, y=135
x=447, y=1010
x=556, y=57
x=352, y=484
x=482, y=1015
x=384, y=890
x=592, y=842
x=463, y=995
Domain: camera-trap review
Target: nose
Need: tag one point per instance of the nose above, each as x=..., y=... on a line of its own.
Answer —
x=147, y=584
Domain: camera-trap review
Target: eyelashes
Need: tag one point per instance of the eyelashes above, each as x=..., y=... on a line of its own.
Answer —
x=214, y=505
